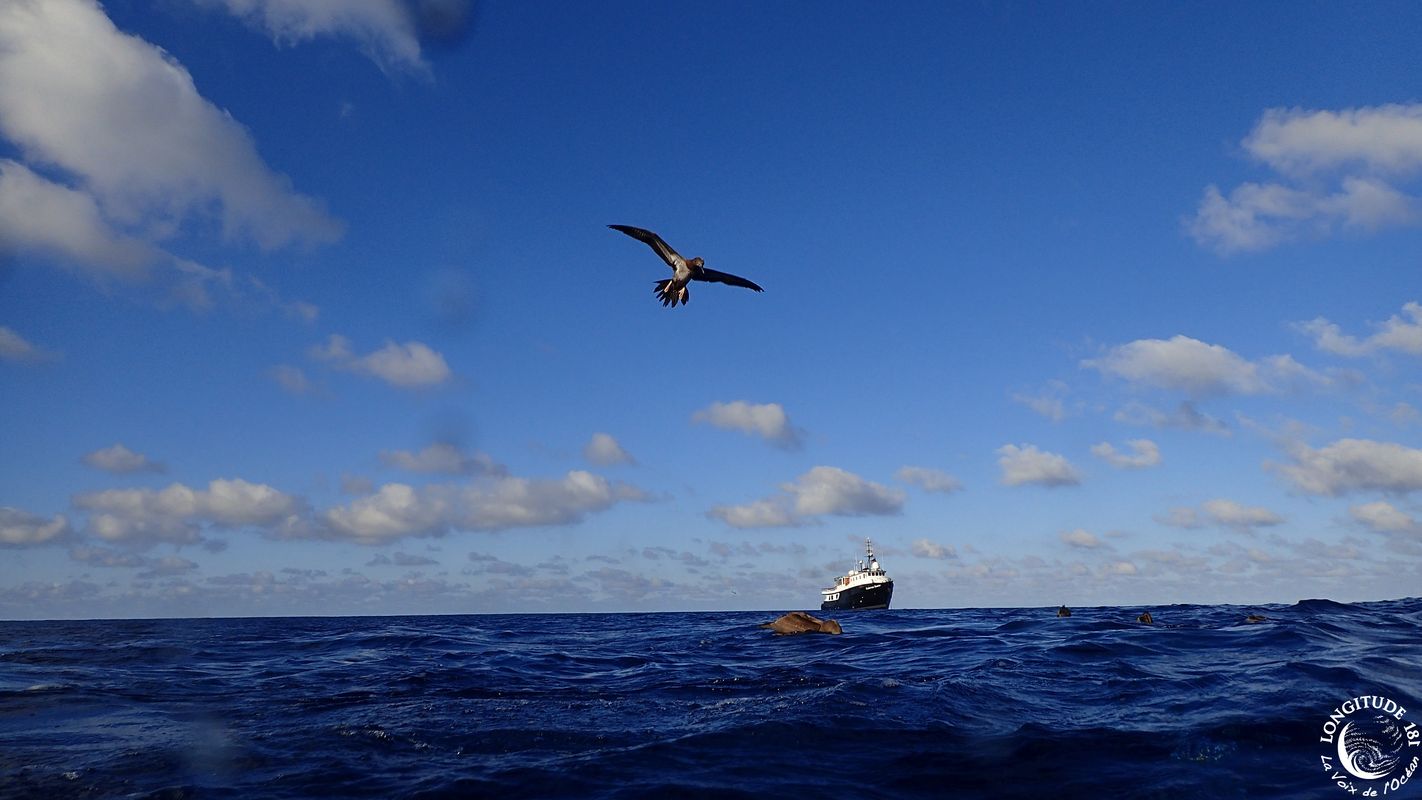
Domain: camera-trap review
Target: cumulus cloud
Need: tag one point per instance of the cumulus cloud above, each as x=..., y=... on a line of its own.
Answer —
x=39, y=215
x=443, y=458
x=1400, y=333
x=1338, y=170
x=602, y=449
x=831, y=490
x=15, y=348
x=22, y=529
x=1383, y=140
x=1144, y=453
x=929, y=480
x=176, y=514
x=398, y=510
x=387, y=31
x=768, y=513
x=1022, y=465
x=766, y=420
x=1222, y=513
x=1240, y=517
x=1384, y=517
x=122, y=461
x=413, y=365
x=822, y=491
x=1080, y=538
x=1199, y=369
x=1350, y=465
x=926, y=548
x=166, y=153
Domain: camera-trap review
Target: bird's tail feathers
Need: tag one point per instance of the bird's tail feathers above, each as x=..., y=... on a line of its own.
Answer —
x=669, y=295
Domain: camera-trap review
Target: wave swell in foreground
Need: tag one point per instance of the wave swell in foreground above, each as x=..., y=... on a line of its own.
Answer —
x=915, y=703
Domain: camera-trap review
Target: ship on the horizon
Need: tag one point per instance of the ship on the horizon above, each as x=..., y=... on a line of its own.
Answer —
x=864, y=587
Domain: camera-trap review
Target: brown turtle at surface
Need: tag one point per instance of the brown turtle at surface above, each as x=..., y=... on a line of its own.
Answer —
x=800, y=622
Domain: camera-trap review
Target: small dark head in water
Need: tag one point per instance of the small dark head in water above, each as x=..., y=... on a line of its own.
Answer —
x=1063, y=612
x=1146, y=618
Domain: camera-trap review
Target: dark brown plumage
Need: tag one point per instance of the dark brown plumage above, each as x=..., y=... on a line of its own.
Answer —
x=673, y=291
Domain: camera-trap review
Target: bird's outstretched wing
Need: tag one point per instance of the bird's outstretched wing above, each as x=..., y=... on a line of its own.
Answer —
x=654, y=241
x=725, y=277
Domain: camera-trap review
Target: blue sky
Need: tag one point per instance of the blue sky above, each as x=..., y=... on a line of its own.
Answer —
x=313, y=309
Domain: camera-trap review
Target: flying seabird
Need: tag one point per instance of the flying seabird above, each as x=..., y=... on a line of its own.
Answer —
x=673, y=290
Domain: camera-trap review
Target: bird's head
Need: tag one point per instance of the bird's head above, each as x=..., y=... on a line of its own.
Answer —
x=697, y=262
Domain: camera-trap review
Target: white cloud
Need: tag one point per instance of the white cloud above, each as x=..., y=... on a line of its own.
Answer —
x=177, y=513
x=165, y=153
x=1384, y=140
x=443, y=458
x=822, y=491
x=1222, y=513
x=769, y=513
x=37, y=214
x=23, y=529
x=15, y=348
x=385, y=29
x=412, y=365
x=1233, y=515
x=1028, y=465
x=929, y=480
x=1337, y=164
x=1145, y=454
x=121, y=461
x=1397, y=333
x=767, y=420
x=1259, y=216
x=394, y=511
x=398, y=510
x=604, y=450
x=1120, y=568
x=925, y=548
x=831, y=490
x=1384, y=517
x=1349, y=465
x=1199, y=369
x=1080, y=538
x=1182, y=364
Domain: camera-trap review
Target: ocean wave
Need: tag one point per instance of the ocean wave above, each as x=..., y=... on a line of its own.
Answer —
x=973, y=703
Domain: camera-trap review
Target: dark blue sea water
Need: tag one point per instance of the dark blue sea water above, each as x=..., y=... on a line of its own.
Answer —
x=913, y=703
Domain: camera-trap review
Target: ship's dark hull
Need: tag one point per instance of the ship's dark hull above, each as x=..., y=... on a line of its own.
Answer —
x=861, y=598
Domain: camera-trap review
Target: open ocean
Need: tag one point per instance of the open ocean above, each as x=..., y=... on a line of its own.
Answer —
x=911, y=703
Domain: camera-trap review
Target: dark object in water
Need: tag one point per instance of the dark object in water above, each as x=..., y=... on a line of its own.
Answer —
x=1146, y=618
x=1256, y=618
x=800, y=622
x=1063, y=612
